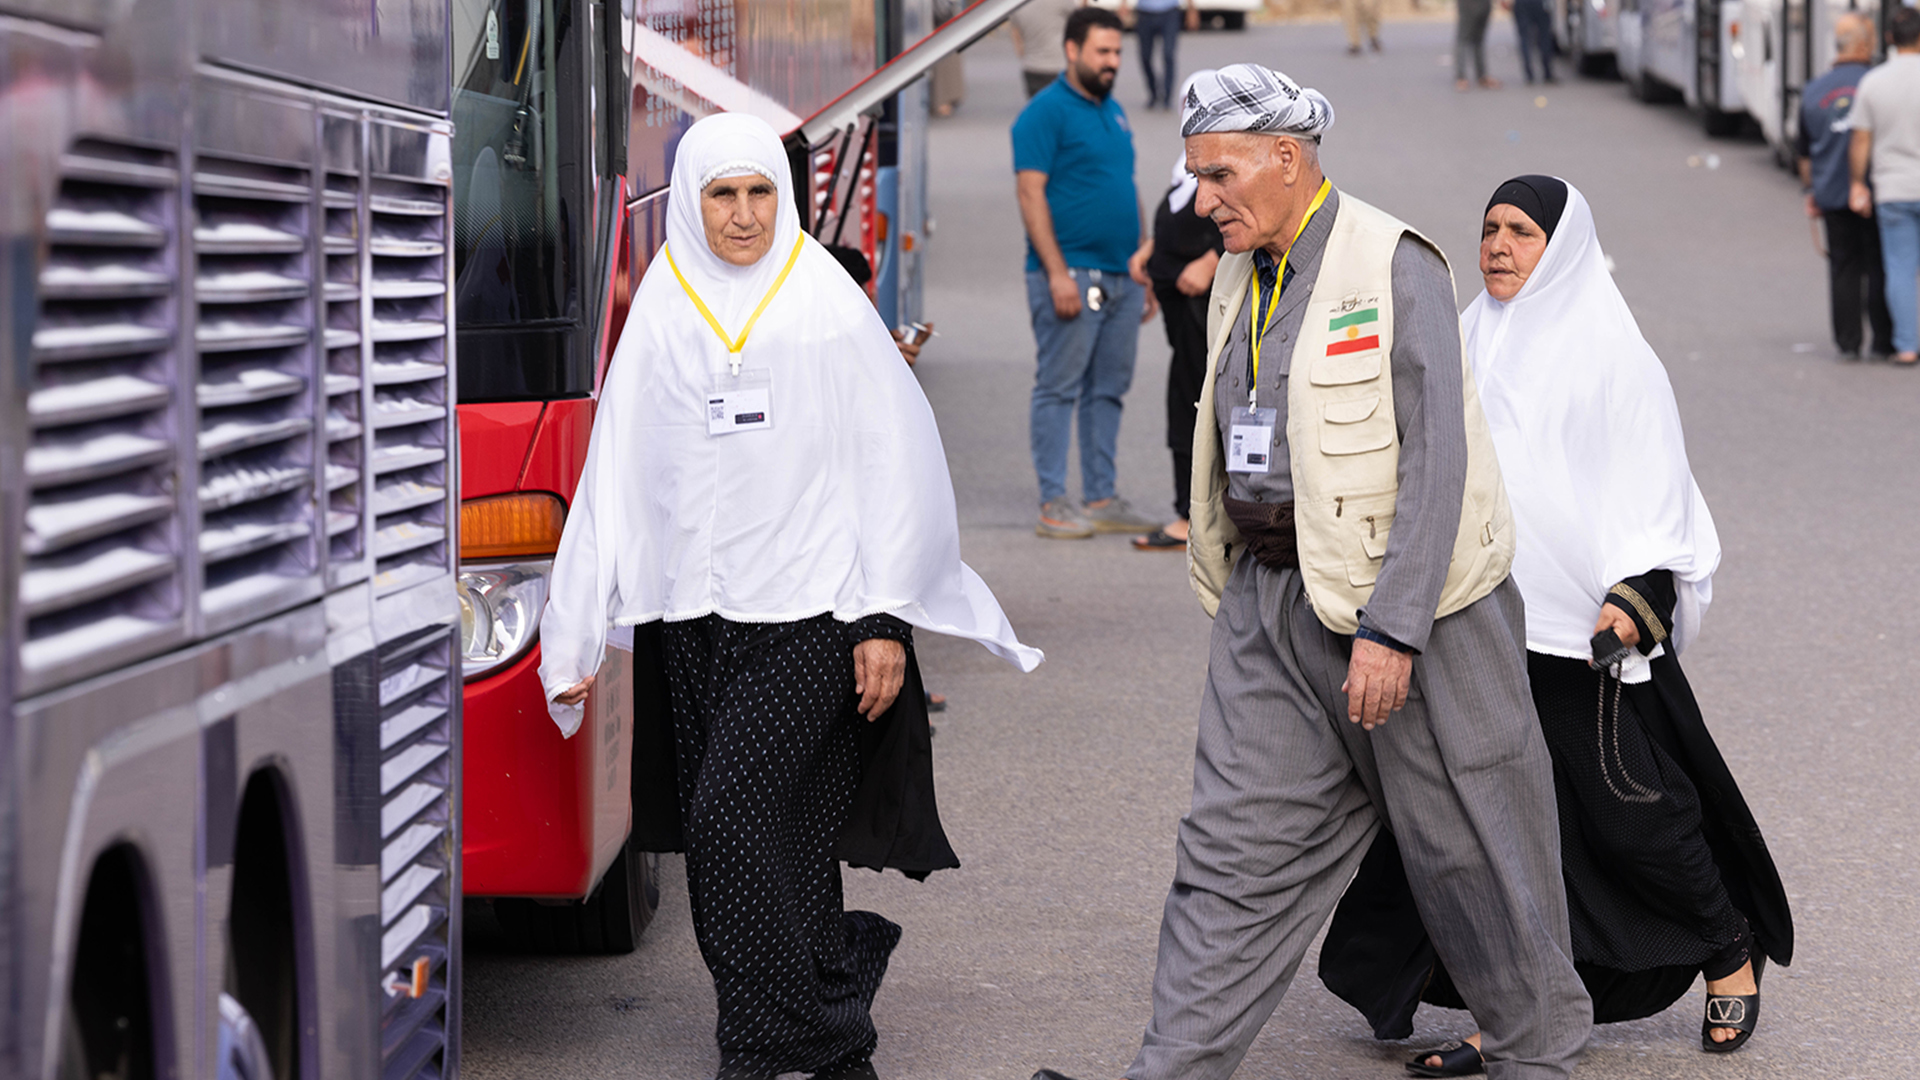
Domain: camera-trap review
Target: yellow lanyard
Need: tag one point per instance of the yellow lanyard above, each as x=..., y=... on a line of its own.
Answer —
x=1273, y=299
x=734, y=347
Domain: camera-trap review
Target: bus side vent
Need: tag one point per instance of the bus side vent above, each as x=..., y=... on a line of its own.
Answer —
x=343, y=246
x=409, y=412
x=254, y=289
x=417, y=694
x=102, y=574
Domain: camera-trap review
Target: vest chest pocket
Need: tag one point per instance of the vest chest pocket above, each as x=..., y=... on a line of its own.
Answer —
x=1358, y=426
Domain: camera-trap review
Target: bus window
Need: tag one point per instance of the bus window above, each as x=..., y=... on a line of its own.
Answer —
x=520, y=196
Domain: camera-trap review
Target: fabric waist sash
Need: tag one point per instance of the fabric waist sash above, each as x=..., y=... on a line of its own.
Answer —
x=1268, y=529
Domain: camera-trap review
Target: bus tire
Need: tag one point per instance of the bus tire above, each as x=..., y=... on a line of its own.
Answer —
x=608, y=923
x=1234, y=20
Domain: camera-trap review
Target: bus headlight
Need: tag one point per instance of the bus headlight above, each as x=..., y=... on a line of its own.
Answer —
x=500, y=606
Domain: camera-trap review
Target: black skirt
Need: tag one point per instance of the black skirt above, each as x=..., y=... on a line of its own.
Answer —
x=1661, y=856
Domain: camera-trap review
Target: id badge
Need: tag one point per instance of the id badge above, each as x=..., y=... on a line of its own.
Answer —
x=742, y=402
x=1250, y=439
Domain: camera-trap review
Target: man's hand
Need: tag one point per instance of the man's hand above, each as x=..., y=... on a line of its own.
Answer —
x=1813, y=211
x=1150, y=308
x=1066, y=295
x=1612, y=618
x=909, y=350
x=1193, y=17
x=1860, y=199
x=1137, y=265
x=576, y=693
x=1377, y=679
x=879, y=670
x=1196, y=278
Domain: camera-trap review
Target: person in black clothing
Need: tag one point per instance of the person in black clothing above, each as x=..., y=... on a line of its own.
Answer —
x=1667, y=875
x=1177, y=262
x=1854, y=267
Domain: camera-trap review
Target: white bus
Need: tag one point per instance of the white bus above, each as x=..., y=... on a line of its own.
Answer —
x=1685, y=50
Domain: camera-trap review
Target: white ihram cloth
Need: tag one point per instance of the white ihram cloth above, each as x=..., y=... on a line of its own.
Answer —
x=844, y=505
x=1589, y=441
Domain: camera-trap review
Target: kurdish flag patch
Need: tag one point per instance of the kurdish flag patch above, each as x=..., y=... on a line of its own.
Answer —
x=1351, y=332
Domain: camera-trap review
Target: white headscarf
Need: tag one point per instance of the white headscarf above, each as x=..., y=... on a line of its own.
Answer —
x=1184, y=183
x=843, y=506
x=1589, y=441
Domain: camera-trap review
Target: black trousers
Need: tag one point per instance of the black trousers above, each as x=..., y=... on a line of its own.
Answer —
x=764, y=731
x=1186, y=321
x=1856, y=273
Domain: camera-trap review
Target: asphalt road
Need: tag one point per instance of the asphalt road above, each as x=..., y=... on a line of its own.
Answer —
x=1061, y=789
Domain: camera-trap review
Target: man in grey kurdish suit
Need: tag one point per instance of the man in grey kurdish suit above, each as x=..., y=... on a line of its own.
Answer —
x=1354, y=681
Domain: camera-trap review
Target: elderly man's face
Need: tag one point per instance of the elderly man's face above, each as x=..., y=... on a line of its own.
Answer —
x=1247, y=185
x=738, y=212
x=1511, y=244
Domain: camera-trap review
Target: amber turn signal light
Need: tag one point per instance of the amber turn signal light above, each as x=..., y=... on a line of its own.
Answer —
x=511, y=526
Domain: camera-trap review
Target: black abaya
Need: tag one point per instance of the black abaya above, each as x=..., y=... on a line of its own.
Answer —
x=1661, y=856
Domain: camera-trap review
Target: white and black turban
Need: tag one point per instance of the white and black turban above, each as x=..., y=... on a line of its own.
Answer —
x=1248, y=97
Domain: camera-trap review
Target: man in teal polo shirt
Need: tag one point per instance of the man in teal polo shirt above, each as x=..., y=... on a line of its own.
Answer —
x=1073, y=165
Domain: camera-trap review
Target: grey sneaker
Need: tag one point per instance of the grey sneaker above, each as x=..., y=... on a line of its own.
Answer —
x=1119, y=516
x=1062, y=519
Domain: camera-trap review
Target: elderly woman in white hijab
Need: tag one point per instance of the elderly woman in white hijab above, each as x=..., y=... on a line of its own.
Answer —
x=1667, y=875
x=765, y=479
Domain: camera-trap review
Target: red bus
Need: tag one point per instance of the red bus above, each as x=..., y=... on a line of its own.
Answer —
x=567, y=114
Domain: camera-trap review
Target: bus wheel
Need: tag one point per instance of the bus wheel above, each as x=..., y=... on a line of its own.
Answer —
x=242, y=1054
x=1720, y=123
x=607, y=923
x=1234, y=20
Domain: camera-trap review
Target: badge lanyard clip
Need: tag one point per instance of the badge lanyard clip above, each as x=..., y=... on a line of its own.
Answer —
x=1264, y=322
x=734, y=347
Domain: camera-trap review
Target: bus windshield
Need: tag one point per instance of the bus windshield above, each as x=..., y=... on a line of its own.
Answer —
x=520, y=205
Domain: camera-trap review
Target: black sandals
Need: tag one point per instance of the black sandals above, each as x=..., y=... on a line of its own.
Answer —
x=1457, y=1058
x=1741, y=1012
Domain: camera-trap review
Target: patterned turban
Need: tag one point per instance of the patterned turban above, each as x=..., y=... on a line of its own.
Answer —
x=1248, y=97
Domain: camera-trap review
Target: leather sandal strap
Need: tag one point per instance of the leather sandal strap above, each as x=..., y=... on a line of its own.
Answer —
x=1738, y=1012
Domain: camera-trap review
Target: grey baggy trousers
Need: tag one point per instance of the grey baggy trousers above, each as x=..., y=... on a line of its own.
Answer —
x=1287, y=795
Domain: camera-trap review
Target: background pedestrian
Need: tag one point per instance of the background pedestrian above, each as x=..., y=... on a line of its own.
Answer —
x=1886, y=147
x=1039, y=27
x=1177, y=262
x=1855, y=275
x=1158, y=22
x=1073, y=171
x=1534, y=25
x=948, y=84
x=1470, y=43
x=1362, y=17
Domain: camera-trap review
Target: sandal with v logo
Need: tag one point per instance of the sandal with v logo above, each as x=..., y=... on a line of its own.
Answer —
x=1741, y=1012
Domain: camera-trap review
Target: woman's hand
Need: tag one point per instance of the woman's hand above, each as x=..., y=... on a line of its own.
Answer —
x=576, y=693
x=1612, y=618
x=1196, y=278
x=879, y=670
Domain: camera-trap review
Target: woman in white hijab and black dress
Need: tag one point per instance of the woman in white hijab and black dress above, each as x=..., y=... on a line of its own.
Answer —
x=1667, y=874
x=766, y=498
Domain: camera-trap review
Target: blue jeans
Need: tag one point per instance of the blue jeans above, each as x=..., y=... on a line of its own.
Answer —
x=1163, y=26
x=1084, y=363
x=1900, y=250
x=1534, y=23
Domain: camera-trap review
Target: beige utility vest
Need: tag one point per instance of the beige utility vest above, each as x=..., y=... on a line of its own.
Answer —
x=1343, y=442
